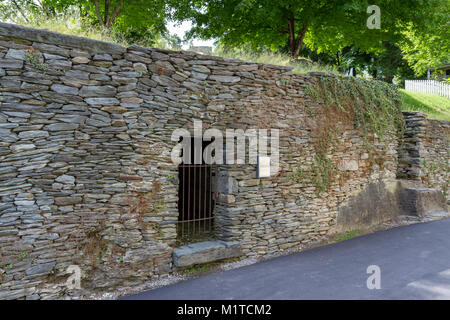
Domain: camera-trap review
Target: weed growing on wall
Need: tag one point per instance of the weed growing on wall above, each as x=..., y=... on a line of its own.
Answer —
x=432, y=169
x=143, y=203
x=95, y=246
x=371, y=107
x=34, y=57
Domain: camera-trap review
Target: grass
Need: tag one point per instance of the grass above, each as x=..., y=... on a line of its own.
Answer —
x=202, y=268
x=279, y=59
x=349, y=234
x=435, y=106
x=70, y=24
x=197, y=268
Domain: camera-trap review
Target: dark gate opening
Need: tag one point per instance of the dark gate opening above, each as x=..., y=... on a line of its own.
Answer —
x=196, y=199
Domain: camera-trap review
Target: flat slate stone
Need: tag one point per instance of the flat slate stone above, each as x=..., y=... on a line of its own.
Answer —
x=203, y=252
x=61, y=126
x=11, y=64
x=98, y=91
x=230, y=79
x=41, y=268
x=59, y=88
x=15, y=54
x=102, y=101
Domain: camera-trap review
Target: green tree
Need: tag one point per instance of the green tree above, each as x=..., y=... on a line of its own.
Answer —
x=327, y=26
x=429, y=47
x=135, y=21
x=137, y=15
x=13, y=10
x=111, y=10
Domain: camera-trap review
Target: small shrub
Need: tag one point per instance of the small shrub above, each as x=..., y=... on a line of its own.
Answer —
x=349, y=234
x=34, y=57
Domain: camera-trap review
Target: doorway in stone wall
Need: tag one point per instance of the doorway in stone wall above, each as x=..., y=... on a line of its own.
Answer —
x=196, y=197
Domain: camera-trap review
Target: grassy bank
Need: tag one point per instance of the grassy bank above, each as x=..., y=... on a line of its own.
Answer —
x=73, y=24
x=436, y=107
x=70, y=23
x=269, y=57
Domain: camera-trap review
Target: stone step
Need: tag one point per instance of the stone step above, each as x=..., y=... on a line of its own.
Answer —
x=419, y=201
x=204, y=252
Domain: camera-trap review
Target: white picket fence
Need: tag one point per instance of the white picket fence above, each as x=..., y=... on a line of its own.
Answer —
x=428, y=86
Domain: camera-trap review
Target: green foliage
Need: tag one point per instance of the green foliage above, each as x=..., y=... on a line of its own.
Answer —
x=373, y=107
x=13, y=10
x=413, y=34
x=135, y=21
x=23, y=255
x=327, y=26
x=323, y=172
x=33, y=57
x=197, y=268
x=429, y=46
x=334, y=32
x=436, y=107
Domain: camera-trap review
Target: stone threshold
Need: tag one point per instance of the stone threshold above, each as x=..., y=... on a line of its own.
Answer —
x=204, y=252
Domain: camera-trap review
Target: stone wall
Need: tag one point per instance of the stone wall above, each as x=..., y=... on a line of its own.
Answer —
x=86, y=176
x=424, y=155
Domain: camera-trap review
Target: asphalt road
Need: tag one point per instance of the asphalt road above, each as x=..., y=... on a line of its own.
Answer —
x=414, y=263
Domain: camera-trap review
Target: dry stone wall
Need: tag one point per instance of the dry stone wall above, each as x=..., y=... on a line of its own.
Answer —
x=86, y=176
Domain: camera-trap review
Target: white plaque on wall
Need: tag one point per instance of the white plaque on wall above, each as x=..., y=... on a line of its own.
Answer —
x=263, y=167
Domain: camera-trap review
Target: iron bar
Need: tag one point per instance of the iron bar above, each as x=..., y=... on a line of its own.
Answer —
x=196, y=201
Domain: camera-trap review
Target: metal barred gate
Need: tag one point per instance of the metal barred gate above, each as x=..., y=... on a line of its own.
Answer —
x=196, y=201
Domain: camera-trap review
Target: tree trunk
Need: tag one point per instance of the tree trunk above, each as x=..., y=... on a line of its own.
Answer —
x=296, y=42
x=117, y=10
x=97, y=11
x=374, y=73
x=291, y=30
x=389, y=78
x=107, y=20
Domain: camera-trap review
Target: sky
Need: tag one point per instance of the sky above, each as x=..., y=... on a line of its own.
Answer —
x=181, y=29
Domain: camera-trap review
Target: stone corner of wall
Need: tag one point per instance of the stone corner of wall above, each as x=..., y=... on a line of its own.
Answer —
x=417, y=115
x=414, y=114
